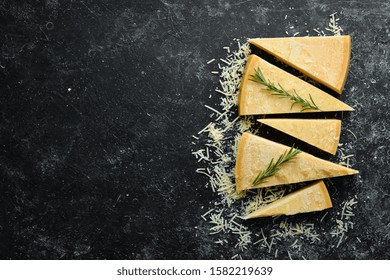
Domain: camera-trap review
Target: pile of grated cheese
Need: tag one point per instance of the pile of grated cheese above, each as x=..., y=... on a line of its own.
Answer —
x=344, y=223
x=216, y=157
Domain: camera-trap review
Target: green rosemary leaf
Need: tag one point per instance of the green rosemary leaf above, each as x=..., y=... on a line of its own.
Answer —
x=272, y=167
x=282, y=93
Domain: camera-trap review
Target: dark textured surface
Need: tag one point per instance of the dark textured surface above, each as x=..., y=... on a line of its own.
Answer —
x=99, y=100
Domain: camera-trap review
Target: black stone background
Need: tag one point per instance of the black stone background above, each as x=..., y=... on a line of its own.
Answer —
x=99, y=100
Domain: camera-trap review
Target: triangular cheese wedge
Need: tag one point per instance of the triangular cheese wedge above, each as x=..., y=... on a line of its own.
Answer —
x=255, y=98
x=324, y=59
x=314, y=197
x=255, y=153
x=321, y=133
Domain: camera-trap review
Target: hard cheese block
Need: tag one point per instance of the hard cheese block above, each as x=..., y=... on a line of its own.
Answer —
x=255, y=153
x=255, y=98
x=324, y=59
x=321, y=133
x=314, y=197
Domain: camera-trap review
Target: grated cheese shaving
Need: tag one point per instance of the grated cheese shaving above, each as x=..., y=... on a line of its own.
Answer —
x=345, y=160
x=288, y=230
x=210, y=61
x=200, y=171
x=323, y=217
x=265, y=196
x=333, y=25
x=344, y=224
x=205, y=214
x=212, y=109
x=352, y=133
x=219, y=223
x=244, y=235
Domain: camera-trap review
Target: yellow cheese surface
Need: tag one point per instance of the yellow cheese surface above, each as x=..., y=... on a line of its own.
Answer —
x=255, y=98
x=324, y=59
x=314, y=197
x=255, y=153
x=321, y=133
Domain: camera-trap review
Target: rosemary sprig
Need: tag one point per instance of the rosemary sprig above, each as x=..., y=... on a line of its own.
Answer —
x=280, y=92
x=273, y=167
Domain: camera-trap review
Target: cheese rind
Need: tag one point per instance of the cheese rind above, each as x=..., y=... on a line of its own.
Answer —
x=255, y=153
x=321, y=133
x=256, y=99
x=314, y=197
x=324, y=59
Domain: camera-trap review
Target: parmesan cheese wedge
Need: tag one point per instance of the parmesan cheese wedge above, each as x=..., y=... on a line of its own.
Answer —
x=314, y=197
x=255, y=98
x=255, y=153
x=324, y=59
x=321, y=133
